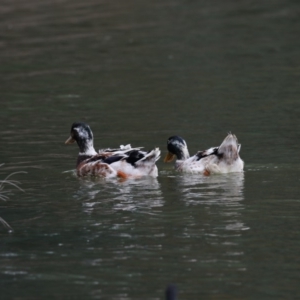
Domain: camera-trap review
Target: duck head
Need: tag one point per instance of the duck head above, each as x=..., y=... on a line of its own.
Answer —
x=176, y=147
x=82, y=134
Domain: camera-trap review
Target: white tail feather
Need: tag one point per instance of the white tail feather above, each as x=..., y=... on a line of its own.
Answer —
x=229, y=148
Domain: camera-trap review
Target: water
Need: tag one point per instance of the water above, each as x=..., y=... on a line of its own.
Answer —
x=139, y=72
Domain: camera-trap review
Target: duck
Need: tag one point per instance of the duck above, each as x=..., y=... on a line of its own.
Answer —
x=215, y=160
x=125, y=161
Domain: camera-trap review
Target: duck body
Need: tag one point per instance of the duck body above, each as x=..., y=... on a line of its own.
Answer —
x=124, y=162
x=215, y=160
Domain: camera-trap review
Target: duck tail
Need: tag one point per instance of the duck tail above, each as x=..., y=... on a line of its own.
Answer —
x=153, y=155
x=230, y=148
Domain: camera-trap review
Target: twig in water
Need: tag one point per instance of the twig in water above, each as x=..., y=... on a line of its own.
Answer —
x=4, y=197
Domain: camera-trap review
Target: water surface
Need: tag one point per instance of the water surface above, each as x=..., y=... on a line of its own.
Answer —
x=139, y=72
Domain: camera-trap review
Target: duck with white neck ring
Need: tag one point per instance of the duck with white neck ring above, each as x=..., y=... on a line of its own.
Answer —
x=124, y=162
x=215, y=160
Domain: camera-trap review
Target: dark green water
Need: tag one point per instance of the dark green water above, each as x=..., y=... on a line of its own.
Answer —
x=139, y=72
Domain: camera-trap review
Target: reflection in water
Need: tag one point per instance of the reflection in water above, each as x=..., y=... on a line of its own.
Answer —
x=221, y=219
x=224, y=190
x=129, y=195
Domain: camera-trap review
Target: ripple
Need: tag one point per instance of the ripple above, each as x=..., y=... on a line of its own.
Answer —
x=13, y=273
x=131, y=195
x=224, y=190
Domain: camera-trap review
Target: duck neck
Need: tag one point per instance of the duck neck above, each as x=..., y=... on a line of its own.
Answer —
x=86, y=147
x=182, y=154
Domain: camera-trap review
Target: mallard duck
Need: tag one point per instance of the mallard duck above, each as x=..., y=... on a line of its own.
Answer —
x=124, y=162
x=222, y=159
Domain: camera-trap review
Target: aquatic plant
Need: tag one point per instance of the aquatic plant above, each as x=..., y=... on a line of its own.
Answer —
x=3, y=193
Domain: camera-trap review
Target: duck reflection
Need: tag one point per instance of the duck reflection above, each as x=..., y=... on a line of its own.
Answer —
x=129, y=195
x=224, y=190
x=221, y=195
x=214, y=216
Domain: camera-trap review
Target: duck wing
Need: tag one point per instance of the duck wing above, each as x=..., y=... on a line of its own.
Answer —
x=122, y=150
x=211, y=151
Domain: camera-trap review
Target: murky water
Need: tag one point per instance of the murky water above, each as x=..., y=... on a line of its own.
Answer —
x=139, y=72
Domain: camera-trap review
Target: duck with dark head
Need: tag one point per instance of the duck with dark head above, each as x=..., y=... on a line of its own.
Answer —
x=124, y=162
x=215, y=160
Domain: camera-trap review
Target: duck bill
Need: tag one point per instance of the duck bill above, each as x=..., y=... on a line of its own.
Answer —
x=169, y=157
x=70, y=140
